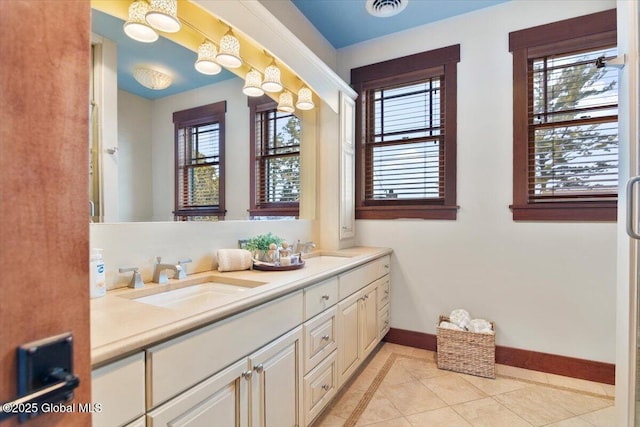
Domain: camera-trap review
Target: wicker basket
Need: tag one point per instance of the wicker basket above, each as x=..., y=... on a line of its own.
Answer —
x=466, y=352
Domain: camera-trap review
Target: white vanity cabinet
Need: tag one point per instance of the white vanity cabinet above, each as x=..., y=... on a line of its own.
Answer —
x=119, y=390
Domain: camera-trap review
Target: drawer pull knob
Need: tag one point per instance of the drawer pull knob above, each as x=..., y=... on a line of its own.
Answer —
x=386, y=323
x=325, y=338
x=259, y=368
x=326, y=387
x=386, y=292
x=366, y=296
x=325, y=297
x=246, y=375
x=386, y=266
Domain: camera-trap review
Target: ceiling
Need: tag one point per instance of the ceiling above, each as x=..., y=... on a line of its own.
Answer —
x=341, y=22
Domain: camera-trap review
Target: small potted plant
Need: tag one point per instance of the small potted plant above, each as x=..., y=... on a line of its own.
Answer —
x=263, y=247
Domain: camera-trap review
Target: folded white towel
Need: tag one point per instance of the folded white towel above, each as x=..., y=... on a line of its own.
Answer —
x=480, y=326
x=461, y=318
x=448, y=325
x=233, y=259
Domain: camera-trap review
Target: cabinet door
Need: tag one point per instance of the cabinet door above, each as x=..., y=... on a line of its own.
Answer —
x=348, y=336
x=223, y=398
x=347, y=167
x=369, y=319
x=276, y=384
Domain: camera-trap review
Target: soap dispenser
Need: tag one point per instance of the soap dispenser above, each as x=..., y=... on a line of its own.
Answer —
x=97, y=280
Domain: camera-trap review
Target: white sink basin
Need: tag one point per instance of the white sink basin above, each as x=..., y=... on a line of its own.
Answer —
x=207, y=291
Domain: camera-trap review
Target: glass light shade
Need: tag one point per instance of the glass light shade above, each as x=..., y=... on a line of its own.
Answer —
x=136, y=27
x=206, y=62
x=305, y=99
x=229, y=54
x=252, y=84
x=152, y=79
x=285, y=103
x=271, y=81
x=163, y=15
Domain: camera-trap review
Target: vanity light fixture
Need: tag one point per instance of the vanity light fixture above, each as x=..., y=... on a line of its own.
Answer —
x=252, y=84
x=271, y=81
x=163, y=15
x=305, y=99
x=285, y=103
x=229, y=54
x=136, y=27
x=206, y=62
x=152, y=79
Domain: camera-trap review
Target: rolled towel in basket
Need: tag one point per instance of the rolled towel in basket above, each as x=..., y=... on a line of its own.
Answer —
x=234, y=259
x=461, y=318
x=448, y=325
x=480, y=326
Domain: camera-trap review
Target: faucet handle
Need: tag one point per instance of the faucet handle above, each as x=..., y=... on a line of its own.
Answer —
x=184, y=261
x=182, y=269
x=136, y=278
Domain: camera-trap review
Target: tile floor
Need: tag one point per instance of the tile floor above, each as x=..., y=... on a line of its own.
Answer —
x=414, y=392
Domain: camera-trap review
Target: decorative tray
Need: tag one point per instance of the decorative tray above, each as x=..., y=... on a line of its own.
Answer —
x=264, y=266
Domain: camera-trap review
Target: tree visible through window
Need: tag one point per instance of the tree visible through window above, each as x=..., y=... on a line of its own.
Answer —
x=565, y=120
x=199, y=162
x=275, y=161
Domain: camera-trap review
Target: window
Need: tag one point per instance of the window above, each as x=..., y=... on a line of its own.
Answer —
x=565, y=121
x=275, y=160
x=199, y=142
x=406, y=136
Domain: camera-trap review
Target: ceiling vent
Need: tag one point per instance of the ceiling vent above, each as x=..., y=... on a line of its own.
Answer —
x=385, y=8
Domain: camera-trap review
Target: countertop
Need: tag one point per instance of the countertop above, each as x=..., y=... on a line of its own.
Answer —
x=121, y=325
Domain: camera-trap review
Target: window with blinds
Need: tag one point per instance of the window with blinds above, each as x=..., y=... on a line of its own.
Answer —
x=405, y=154
x=404, y=143
x=565, y=120
x=275, y=160
x=199, y=163
x=573, y=127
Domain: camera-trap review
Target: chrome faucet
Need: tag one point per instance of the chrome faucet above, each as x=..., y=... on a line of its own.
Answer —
x=304, y=248
x=160, y=275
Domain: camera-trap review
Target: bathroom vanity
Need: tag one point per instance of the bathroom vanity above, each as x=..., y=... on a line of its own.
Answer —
x=242, y=348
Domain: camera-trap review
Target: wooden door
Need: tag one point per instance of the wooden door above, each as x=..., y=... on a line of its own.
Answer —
x=348, y=336
x=276, y=385
x=44, y=222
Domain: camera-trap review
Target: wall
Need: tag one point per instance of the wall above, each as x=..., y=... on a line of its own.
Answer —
x=549, y=287
x=135, y=201
x=138, y=244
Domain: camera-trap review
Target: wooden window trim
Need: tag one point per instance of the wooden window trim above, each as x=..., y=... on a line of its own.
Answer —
x=584, y=32
x=404, y=70
x=258, y=105
x=195, y=116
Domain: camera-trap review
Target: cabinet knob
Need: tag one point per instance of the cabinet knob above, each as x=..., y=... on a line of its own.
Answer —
x=246, y=375
x=325, y=297
x=326, y=387
x=259, y=368
x=386, y=266
x=325, y=338
x=366, y=296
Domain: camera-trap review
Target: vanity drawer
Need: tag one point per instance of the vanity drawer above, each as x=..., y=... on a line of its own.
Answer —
x=319, y=387
x=119, y=388
x=383, y=292
x=384, y=321
x=318, y=298
x=179, y=364
x=319, y=338
x=356, y=279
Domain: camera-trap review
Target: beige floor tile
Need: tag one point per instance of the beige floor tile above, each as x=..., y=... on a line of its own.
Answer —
x=453, y=389
x=489, y=413
x=379, y=409
x=398, y=375
x=329, y=421
x=346, y=403
x=572, y=422
x=579, y=403
x=396, y=422
x=412, y=397
x=420, y=368
x=400, y=349
x=424, y=354
x=609, y=389
x=602, y=418
x=495, y=386
x=576, y=384
x=525, y=374
x=444, y=417
x=363, y=380
x=536, y=404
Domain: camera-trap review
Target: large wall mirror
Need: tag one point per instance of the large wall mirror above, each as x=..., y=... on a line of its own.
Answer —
x=132, y=132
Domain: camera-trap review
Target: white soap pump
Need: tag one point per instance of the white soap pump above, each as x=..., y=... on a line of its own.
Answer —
x=97, y=280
